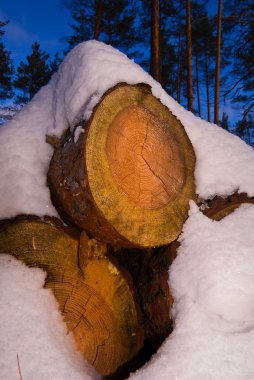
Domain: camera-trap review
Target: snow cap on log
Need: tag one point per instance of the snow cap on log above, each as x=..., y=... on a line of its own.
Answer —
x=224, y=163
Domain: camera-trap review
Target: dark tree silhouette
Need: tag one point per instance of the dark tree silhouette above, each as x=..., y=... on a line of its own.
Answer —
x=6, y=68
x=34, y=74
x=155, y=62
x=104, y=20
x=189, y=56
x=217, y=76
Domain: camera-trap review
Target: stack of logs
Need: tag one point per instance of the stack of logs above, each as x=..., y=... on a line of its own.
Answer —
x=122, y=183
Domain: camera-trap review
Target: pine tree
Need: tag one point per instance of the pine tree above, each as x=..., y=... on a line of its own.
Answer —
x=218, y=54
x=239, y=24
x=198, y=16
x=244, y=128
x=119, y=20
x=204, y=49
x=155, y=62
x=6, y=68
x=168, y=66
x=104, y=20
x=164, y=45
x=34, y=74
x=224, y=121
x=54, y=63
x=82, y=26
x=189, y=56
x=180, y=43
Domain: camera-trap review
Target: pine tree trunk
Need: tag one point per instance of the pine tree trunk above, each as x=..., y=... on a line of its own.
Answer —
x=189, y=56
x=217, y=77
x=179, y=68
x=109, y=26
x=155, y=40
x=128, y=179
x=207, y=86
x=98, y=13
x=197, y=85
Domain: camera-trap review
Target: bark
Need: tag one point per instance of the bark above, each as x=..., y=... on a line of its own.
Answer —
x=149, y=269
x=155, y=40
x=179, y=68
x=109, y=27
x=197, y=85
x=207, y=86
x=218, y=208
x=189, y=56
x=217, y=76
x=98, y=14
x=112, y=182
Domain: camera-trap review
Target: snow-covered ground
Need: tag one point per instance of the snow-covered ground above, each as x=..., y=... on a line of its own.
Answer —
x=213, y=276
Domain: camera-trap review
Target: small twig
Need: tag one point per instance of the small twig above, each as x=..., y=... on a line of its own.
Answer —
x=20, y=375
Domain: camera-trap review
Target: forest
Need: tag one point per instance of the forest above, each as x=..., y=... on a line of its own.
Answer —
x=202, y=57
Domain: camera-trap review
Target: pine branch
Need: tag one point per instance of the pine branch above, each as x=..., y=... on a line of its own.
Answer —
x=235, y=84
x=248, y=110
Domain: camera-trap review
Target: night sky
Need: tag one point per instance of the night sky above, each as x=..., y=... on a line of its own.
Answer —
x=45, y=21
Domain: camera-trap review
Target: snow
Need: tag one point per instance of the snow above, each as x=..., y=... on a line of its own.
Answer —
x=31, y=327
x=212, y=278
x=24, y=159
x=224, y=162
x=212, y=282
x=224, y=284
x=7, y=112
x=77, y=133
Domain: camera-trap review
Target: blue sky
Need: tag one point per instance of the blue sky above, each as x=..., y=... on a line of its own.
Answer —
x=31, y=21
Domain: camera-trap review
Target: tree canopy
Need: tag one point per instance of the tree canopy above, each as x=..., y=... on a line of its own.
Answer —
x=6, y=68
x=33, y=74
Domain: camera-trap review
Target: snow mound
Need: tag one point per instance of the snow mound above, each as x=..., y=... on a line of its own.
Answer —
x=32, y=328
x=224, y=162
x=25, y=157
x=212, y=281
x=214, y=268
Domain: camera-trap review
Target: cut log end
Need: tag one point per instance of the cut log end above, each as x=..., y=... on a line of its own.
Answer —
x=94, y=296
x=148, y=179
x=140, y=166
x=129, y=180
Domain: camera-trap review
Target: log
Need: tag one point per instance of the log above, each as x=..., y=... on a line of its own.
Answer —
x=149, y=269
x=216, y=209
x=94, y=295
x=219, y=207
x=127, y=180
